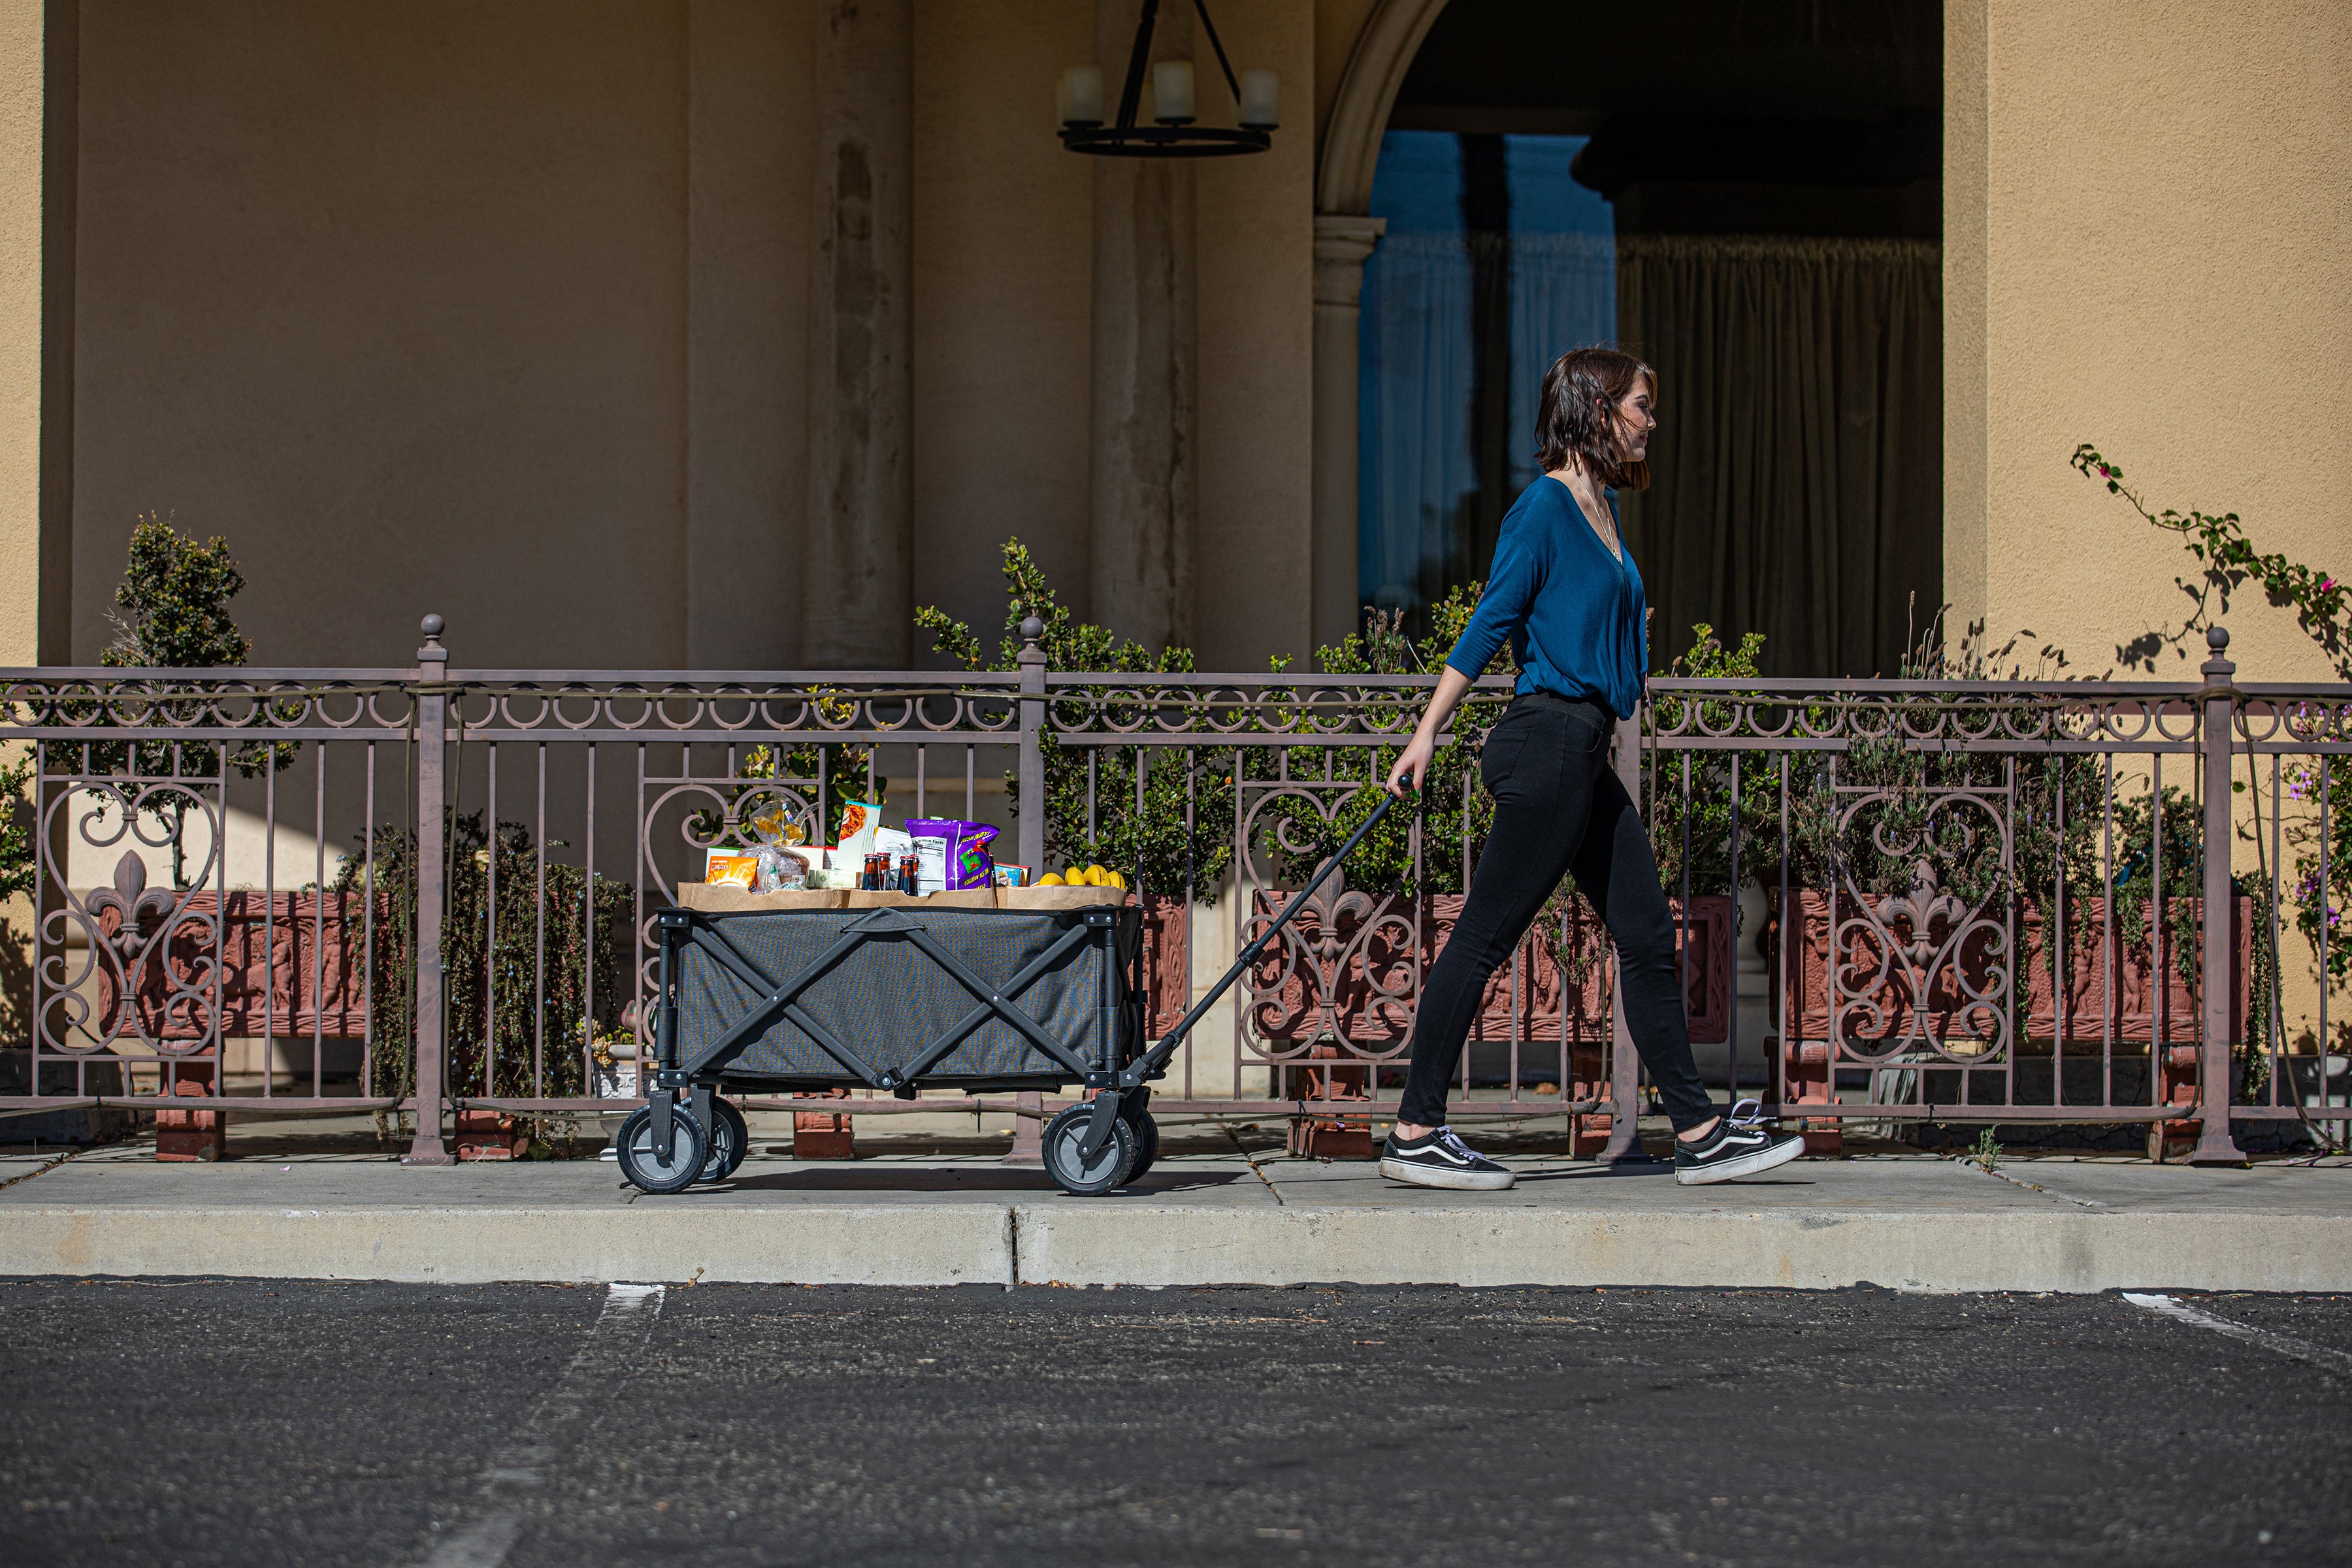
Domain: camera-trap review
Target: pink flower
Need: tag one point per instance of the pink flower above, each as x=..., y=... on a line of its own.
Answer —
x=2104, y=472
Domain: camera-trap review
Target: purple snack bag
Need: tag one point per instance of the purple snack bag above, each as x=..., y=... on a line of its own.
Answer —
x=952, y=854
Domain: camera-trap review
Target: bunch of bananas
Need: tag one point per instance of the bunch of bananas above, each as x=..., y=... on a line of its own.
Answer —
x=1092, y=876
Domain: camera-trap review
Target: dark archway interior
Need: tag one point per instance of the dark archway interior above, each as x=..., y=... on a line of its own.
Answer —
x=1820, y=117
x=1774, y=167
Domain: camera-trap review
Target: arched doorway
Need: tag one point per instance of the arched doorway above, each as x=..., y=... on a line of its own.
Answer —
x=1767, y=180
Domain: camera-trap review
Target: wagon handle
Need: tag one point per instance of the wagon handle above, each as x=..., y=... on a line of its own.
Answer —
x=1156, y=1057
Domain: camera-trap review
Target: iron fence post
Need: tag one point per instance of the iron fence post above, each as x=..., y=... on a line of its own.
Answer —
x=2215, y=1145
x=1032, y=807
x=1625, y=1144
x=432, y=725
x=1028, y=1145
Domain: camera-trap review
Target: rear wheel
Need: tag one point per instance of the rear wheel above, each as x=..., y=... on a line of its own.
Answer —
x=689, y=1149
x=1147, y=1143
x=1066, y=1134
x=730, y=1140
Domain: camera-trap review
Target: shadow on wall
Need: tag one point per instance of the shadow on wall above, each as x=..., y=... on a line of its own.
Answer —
x=16, y=979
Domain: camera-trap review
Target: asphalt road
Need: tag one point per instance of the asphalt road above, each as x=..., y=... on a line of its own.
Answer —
x=326, y=1424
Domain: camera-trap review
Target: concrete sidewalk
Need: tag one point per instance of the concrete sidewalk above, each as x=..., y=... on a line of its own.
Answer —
x=1911, y=1222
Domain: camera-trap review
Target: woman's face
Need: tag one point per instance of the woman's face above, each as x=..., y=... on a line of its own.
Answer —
x=1636, y=417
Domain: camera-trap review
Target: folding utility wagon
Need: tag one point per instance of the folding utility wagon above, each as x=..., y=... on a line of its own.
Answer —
x=912, y=997
x=899, y=998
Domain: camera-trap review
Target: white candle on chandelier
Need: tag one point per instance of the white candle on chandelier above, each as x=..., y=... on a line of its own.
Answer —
x=1261, y=100
x=1079, y=97
x=1171, y=86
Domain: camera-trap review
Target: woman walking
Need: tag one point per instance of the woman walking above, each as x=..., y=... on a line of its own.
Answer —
x=1568, y=599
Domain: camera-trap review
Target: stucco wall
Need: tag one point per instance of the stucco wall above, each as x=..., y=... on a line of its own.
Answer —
x=501, y=310
x=395, y=298
x=750, y=127
x=2150, y=208
x=20, y=327
x=1337, y=24
x=1004, y=286
x=1253, y=566
x=1002, y=325
x=35, y=216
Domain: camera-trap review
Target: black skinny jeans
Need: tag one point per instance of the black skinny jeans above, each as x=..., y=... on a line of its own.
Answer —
x=1558, y=807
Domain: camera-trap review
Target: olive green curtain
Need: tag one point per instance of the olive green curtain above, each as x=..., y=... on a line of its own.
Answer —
x=1796, y=477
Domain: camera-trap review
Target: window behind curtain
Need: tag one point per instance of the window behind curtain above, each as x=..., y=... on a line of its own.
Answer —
x=1496, y=262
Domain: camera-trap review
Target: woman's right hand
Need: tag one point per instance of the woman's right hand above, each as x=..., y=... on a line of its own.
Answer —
x=1412, y=763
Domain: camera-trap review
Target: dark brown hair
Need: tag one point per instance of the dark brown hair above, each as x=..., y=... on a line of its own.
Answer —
x=1578, y=417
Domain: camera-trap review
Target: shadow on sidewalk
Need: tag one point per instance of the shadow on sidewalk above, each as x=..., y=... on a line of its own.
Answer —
x=961, y=1178
x=1655, y=1168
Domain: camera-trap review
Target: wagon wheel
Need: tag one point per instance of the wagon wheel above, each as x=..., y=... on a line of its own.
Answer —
x=1066, y=1134
x=730, y=1140
x=689, y=1148
x=1147, y=1142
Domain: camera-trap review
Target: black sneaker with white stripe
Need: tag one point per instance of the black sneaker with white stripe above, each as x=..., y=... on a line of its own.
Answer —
x=1440, y=1159
x=1740, y=1145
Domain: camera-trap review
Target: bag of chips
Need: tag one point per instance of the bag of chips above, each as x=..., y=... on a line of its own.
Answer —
x=952, y=854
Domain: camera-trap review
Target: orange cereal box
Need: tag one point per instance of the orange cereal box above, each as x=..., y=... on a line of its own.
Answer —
x=730, y=868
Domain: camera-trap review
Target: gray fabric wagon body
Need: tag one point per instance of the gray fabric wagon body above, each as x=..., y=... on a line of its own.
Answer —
x=887, y=1000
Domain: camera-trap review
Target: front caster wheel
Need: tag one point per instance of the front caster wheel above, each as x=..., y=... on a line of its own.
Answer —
x=1066, y=1134
x=730, y=1140
x=689, y=1148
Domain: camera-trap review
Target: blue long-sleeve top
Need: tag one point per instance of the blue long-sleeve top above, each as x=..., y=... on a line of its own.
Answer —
x=1573, y=614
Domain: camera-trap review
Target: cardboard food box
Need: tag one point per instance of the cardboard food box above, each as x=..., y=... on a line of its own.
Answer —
x=723, y=868
x=1063, y=898
x=725, y=898
x=966, y=899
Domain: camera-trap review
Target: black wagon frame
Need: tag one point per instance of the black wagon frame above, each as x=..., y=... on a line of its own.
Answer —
x=1111, y=1042
x=1113, y=1066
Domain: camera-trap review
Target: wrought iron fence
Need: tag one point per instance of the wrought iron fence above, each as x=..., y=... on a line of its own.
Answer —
x=1900, y=902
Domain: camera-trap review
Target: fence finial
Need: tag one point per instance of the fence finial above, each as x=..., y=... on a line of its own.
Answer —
x=2218, y=669
x=432, y=626
x=1033, y=632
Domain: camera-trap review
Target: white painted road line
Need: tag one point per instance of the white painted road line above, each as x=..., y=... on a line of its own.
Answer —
x=2284, y=1345
x=562, y=1421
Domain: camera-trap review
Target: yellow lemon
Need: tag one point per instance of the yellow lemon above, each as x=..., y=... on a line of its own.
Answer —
x=1097, y=877
x=1115, y=880
x=1050, y=880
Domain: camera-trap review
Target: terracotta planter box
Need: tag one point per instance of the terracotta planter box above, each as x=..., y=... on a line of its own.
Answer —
x=1351, y=970
x=2128, y=1006
x=1167, y=961
x=291, y=965
x=200, y=1135
x=490, y=1135
x=825, y=1134
x=2133, y=994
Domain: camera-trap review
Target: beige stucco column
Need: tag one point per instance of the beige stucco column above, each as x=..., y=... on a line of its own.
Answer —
x=856, y=593
x=1966, y=282
x=2167, y=287
x=1143, y=464
x=37, y=127
x=1342, y=245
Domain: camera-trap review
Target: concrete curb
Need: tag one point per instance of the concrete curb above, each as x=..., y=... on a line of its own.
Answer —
x=1784, y=1248
x=1133, y=1244
x=937, y=1244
